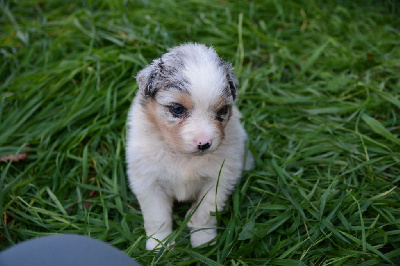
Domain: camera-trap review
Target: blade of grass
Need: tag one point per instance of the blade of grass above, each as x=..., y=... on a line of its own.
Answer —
x=378, y=128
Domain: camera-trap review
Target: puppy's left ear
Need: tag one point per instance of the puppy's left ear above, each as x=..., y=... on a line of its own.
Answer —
x=147, y=79
x=231, y=78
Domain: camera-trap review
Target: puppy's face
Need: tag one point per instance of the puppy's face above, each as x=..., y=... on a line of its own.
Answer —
x=187, y=94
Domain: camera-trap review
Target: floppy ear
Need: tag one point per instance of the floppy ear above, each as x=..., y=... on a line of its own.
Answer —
x=230, y=77
x=232, y=80
x=147, y=79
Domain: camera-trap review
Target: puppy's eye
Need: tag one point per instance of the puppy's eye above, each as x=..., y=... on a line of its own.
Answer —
x=177, y=110
x=222, y=112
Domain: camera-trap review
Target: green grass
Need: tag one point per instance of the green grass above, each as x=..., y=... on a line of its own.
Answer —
x=319, y=94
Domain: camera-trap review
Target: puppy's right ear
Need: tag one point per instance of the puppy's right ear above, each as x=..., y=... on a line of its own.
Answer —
x=147, y=79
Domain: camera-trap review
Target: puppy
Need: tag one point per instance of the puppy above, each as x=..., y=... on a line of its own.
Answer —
x=183, y=135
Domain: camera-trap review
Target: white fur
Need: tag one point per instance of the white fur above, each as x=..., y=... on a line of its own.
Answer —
x=160, y=173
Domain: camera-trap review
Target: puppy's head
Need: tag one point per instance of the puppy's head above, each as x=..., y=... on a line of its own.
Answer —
x=187, y=94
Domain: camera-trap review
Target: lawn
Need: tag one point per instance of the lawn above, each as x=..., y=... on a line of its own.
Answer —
x=319, y=93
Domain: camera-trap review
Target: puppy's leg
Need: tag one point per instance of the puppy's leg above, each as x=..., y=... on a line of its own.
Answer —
x=204, y=225
x=156, y=209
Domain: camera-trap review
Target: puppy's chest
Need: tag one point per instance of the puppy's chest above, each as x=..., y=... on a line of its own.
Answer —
x=184, y=183
x=184, y=191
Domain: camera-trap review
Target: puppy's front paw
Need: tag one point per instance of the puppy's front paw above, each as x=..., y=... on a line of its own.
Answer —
x=201, y=237
x=154, y=244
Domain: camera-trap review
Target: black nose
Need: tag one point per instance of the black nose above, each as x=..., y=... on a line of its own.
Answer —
x=204, y=147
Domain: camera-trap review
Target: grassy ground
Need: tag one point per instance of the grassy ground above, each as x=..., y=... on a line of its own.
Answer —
x=320, y=100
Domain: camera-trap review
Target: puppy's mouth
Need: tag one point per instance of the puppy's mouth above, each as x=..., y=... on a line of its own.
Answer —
x=201, y=152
